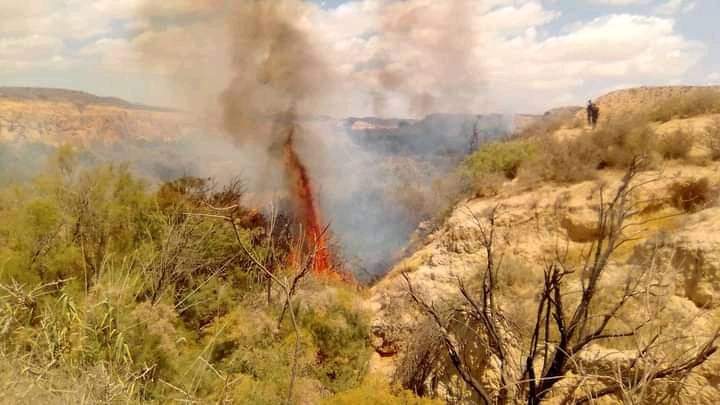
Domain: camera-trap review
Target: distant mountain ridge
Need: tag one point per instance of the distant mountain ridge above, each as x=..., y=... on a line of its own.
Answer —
x=79, y=98
x=57, y=116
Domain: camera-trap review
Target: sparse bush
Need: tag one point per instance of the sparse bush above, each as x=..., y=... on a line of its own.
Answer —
x=695, y=102
x=619, y=140
x=676, y=145
x=562, y=161
x=614, y=144
x=712, y=138
x=586, y=319
x=488, y=185
x=691, y=195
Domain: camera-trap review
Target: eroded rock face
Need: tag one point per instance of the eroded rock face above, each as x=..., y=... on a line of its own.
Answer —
x=581, y=228
x=693, y=253
x=700, y=274
x=531, y=226
x=598, y=360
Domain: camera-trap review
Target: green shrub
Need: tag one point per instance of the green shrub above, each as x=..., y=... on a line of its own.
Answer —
x=375, y=391
x=339, y=331
x=498, y=158
x=83, y=252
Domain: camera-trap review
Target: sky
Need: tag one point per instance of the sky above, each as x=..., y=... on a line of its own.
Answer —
x=387, y=57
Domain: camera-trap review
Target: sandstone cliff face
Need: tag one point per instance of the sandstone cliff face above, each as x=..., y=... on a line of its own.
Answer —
x=57, y=117
x=532, y=225
x=693, y=253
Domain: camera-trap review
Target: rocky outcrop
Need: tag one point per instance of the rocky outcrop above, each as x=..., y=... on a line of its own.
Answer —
x=693, y=253
x=532, y=224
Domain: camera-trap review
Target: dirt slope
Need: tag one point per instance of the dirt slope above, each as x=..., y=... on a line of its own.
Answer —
x=55, y=117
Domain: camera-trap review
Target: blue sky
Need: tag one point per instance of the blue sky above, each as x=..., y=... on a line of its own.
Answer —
x=500, y=55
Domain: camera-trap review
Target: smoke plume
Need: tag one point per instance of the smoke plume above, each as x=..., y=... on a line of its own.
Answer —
x=282, y=74
x=277, y=78
x=277, y=73
x=428, y=56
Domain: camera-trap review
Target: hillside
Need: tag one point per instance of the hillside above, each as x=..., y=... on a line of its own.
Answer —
x=160, y=145
x=629, y=100
x=55, y=117
x=545, y=212
x=563, y=264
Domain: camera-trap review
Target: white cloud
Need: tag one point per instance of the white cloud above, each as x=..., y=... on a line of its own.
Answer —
x=621, y=2
x=81, y=19
x=396, y=58
x=21, y=53
x=506, y=62
x=672, y=7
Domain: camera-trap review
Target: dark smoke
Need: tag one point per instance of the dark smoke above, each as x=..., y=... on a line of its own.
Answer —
x=277, y=74
x=276, y=82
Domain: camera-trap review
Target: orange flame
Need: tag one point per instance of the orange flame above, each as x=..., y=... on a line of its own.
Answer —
x=303, y=192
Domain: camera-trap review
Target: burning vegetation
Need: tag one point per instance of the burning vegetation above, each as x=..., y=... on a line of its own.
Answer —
x=302, y=190
x=277, y=76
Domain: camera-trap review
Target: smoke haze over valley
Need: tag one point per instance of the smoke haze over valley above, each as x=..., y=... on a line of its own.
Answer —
x=360, y=202
x=371, y=221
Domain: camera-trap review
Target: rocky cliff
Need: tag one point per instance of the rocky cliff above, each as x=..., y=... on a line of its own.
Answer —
x=534, y=223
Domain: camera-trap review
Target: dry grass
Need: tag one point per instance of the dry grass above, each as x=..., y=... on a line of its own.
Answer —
x=620, y=140
x=696, y=102
x=550, y=123
x=712, y=138
x=567, y=161
x=676, y=145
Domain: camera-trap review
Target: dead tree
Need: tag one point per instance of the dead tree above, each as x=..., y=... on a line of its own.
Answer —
x=484, y=311
x=565, y=327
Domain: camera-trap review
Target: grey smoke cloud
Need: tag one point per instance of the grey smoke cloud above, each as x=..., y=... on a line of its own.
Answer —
x=281, y=76
x=428, y=57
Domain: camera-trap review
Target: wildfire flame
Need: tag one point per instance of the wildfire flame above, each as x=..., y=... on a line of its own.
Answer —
x=301, y=188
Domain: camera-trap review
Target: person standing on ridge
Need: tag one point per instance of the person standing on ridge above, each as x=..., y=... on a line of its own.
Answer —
x=593, y=114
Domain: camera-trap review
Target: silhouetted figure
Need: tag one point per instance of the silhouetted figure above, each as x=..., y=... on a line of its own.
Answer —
x=593, y=114
x=475, y=139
